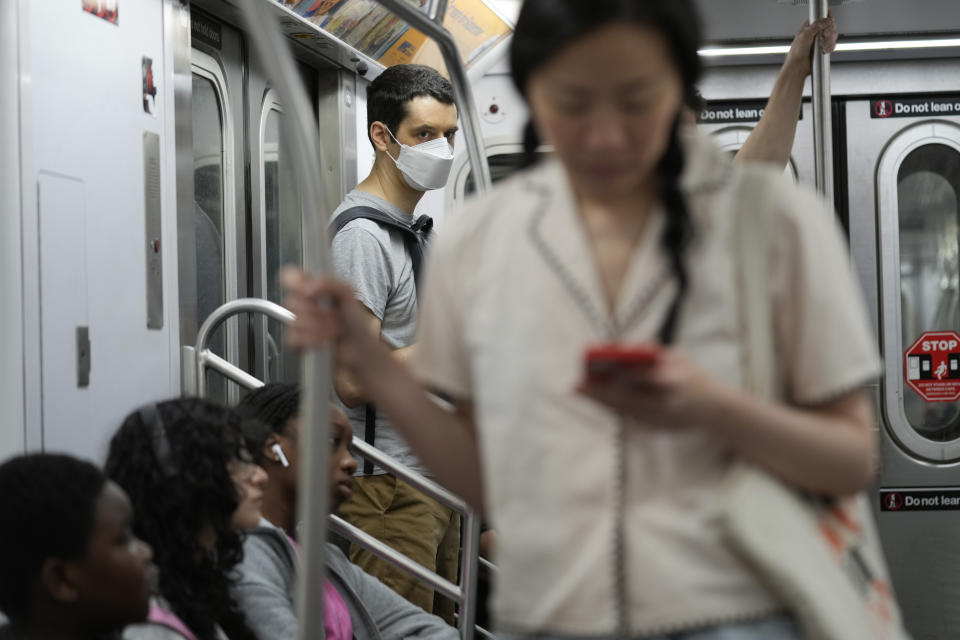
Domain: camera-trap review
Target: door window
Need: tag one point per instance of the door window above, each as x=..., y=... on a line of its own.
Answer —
x=208, y=213
x=283, y=239
x=502, y=165
x=928, y=184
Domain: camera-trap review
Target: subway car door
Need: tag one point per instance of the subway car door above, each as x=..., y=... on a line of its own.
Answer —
x=277, y=233
x=212, y=235
x=277, y=226
x=730, y=123
x=276, y=238
x=903, y=162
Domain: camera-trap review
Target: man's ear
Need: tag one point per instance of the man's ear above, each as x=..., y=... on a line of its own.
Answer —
x=59, y=581
x=380, y=136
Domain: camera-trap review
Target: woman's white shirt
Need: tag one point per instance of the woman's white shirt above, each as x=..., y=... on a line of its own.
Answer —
x=512, y=298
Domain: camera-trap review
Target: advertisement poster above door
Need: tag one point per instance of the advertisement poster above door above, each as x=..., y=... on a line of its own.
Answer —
x=372, y=30
x=932, y=366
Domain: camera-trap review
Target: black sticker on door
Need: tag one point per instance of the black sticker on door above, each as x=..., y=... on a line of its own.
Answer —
x=914, y=107
x=206, y=31
x=920, y=499
x=734, y=112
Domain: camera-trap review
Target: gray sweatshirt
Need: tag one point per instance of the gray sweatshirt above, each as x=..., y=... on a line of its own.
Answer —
x=265, y=593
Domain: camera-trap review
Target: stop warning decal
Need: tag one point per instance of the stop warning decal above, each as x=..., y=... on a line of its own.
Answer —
x=933, y=366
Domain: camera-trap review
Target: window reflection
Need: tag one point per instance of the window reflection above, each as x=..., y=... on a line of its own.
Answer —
x=208, y=205
x=283, y=241
x=927, y=188
x=502, y=165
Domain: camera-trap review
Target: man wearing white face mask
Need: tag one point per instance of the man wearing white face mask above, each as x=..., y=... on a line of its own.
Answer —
x=378, y=246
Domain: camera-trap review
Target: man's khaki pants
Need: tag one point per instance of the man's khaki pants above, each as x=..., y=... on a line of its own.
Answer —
x=415, y=525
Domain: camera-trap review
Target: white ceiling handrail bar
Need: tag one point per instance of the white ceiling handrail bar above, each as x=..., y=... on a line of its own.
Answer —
x=721, y=51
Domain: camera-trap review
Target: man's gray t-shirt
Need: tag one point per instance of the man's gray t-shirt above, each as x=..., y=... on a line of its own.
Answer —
x=375, y=260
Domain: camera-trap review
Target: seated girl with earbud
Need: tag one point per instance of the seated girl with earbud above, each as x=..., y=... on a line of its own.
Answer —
x=357, y=605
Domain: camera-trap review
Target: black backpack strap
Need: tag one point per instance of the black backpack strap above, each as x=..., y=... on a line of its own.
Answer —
x=369, y=434
x=414, y=236
x=355, y=213
x=347, y=216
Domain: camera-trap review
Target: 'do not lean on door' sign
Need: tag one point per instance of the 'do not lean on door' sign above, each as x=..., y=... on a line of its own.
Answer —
x=932, y=366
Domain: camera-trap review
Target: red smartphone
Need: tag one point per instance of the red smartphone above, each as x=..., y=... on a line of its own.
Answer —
x=602, y=362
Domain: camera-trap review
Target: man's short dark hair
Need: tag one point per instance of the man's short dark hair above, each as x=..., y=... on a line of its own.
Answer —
x=391, y=91
x=48, y=504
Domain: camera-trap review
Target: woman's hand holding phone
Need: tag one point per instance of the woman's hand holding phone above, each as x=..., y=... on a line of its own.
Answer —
x=656, y=385
x=614, y=362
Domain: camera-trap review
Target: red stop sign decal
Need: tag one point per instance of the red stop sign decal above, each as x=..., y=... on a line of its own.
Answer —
x=932, y=366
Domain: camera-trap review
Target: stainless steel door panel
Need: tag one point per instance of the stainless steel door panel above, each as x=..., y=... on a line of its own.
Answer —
x=214, y=255
x=922, y=547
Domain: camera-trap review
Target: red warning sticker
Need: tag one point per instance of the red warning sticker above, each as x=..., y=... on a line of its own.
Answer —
x=108, y=10
x=932, y=366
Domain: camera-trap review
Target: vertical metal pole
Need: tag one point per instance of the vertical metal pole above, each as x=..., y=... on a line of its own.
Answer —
x=469, y=556
x=300, y=129
x=822, y=112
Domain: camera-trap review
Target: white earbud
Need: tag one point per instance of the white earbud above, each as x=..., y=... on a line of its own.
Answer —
x=282, y=459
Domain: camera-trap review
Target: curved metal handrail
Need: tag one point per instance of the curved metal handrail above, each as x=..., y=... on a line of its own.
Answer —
x=460, y=593
x=205, y=357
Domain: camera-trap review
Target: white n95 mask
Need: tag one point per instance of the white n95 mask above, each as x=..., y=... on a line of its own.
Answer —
x=425, y=166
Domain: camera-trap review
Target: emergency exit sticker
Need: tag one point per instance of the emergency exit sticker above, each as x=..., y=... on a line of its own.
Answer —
x=933, y=366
